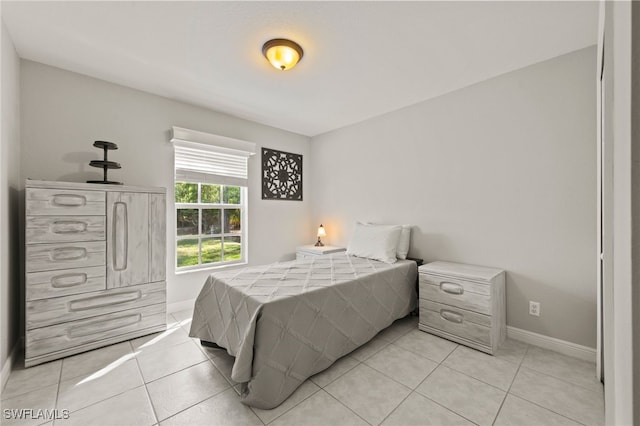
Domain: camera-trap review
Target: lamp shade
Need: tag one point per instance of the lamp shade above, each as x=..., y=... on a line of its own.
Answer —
x=321, y=231
x=283, y=54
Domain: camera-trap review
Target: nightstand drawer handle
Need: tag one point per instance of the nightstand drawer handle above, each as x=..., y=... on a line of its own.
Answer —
x=69, y=200
x=451, y=316
x=451, y=288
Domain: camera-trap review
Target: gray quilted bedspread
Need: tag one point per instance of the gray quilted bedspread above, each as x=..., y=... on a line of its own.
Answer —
x=286, y=321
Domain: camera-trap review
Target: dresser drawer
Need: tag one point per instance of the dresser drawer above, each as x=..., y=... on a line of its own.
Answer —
x=458, y=322
x=58, y=229
x=41, y=313
x=64, y=202
x=61, y=337
x=63, y=282
x=47, y=257
x=464, y=294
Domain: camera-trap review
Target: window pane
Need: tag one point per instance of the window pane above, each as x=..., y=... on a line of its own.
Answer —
x=231, y=194
x=211, y=222
x=232, y=248
x=187, y=252
x=232, y=221
x=211, y=250
x=186, y=192
x=187, y=221
x=210, y=194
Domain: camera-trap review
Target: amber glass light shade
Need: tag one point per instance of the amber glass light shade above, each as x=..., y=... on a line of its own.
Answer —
x=283, y=54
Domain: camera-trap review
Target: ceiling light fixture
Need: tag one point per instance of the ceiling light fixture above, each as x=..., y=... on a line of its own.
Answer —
x=283, y=54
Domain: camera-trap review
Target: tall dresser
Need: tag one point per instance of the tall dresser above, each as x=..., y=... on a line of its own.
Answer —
x=95, y=266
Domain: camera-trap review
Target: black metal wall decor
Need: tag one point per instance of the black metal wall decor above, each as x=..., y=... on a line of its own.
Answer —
x=104, y=164
x=281, y=175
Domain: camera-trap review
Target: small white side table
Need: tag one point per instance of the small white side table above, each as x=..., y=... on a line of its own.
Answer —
x=310, y=251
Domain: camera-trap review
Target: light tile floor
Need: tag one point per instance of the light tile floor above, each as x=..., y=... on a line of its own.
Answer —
x=401, y=377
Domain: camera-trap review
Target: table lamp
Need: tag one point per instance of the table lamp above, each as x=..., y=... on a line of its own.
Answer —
x=321, y=233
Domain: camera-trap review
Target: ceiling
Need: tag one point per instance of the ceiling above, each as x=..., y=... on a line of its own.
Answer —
x=362, y=59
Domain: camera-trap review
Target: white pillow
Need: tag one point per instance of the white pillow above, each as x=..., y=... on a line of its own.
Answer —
x=377, y=242
x=402, y=250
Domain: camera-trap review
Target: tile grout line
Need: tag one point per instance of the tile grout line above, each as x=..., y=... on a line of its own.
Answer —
x=548, y=409
x=474, y=378
x=408, y=395
x=553, y=375
x=199, y=402
x=172, y=373
x=193, y=405
x=58, y=390
x=391, y=378
x=144, y=383
x=446, y=408
x=525, y=399
x=322, y=387
x=542, y=406
x=285, y=412
x=434, y=401
x=348, y=408
x=102, y=400
x=561, y=379
x=426, y=357
x=510, y=385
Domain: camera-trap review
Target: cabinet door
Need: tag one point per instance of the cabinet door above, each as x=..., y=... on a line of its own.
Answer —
x=157, y=237
x=128, y=239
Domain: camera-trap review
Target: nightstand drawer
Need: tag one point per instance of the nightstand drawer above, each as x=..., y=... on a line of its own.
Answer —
x=64, y=282
x=47, y=257
x=44, y=201
x=452, y=291
x=57, y=229
x=458, y=322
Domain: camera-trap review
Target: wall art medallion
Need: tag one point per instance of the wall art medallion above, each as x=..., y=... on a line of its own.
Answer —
x=281, y=175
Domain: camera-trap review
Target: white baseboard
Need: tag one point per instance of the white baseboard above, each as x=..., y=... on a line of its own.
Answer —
x=180, y=306
x=572, y=349
x=8, y=365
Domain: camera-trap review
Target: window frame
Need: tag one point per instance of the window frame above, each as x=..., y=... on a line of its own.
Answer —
x=200, y=206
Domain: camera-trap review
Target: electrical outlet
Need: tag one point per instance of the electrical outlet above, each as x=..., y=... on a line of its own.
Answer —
x=534, y=308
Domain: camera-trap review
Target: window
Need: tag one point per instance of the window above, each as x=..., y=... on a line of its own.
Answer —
x=210, y=199
x=209, y=223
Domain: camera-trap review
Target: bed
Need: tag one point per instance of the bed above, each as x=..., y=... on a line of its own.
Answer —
x=287, y=321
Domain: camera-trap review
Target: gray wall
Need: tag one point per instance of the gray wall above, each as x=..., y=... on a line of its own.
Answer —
x=10, y=206
x=64, y=112
x=501, y=173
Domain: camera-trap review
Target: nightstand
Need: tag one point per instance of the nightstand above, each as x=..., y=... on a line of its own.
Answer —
x=311, y=251
x=463, y=303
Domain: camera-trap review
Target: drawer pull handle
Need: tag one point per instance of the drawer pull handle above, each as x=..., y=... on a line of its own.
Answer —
x=68, y=253
x=451, y=288
x=68, y=280
x=93, y=328
x=69, y=200
x=68, y=227
x=451, y=316
x=102, y=301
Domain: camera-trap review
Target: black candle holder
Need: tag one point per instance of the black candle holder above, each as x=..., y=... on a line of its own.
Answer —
x=105, y=164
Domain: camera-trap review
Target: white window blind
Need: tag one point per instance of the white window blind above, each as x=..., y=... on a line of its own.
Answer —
x=207, y=158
